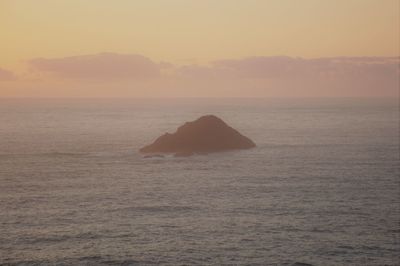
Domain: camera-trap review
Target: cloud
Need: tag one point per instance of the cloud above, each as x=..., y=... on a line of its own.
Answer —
x=261, y=67
x=256, y=76
x=6, y=75
x=196, y=71
x=296, y=76
x=101, y=66
x=291, y=67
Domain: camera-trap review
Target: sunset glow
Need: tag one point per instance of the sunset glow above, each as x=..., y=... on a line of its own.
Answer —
x=199, y=132
x=199, y=48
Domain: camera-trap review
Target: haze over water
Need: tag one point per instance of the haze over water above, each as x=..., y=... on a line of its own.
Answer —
x=85, y=84
x=321, y=187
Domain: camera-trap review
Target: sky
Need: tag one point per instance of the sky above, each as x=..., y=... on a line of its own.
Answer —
x=193, y=48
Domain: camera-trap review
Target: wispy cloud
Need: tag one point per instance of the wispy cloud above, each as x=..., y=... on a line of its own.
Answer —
x=254, y=76
x=285, y=76
x=290, y=67
x=100, y=66
x=6, y=75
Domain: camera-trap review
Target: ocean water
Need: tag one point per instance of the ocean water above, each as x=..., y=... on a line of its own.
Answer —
x=322, y=187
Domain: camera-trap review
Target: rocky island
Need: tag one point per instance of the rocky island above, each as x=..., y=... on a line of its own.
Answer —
x=204, y=135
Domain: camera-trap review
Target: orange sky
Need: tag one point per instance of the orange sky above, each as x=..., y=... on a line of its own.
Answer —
x=198, y=48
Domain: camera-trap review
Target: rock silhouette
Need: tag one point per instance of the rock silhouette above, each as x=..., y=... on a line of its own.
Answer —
x=204, y=135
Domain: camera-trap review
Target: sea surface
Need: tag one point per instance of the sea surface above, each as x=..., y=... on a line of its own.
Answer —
x=322, y=186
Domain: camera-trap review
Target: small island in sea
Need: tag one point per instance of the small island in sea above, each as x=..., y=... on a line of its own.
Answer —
x=205, y=135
